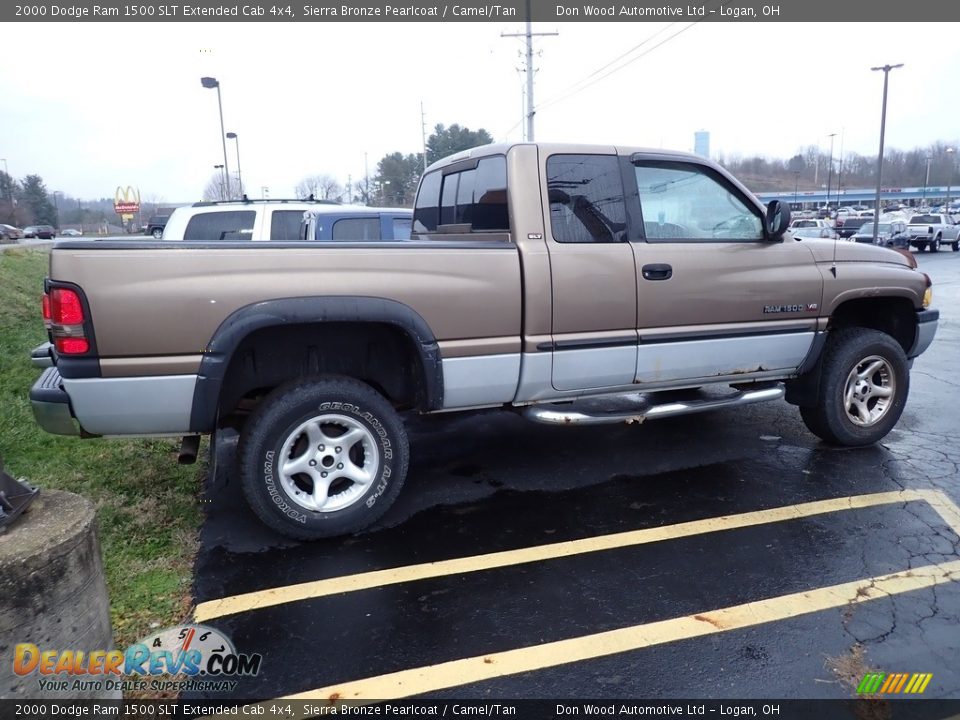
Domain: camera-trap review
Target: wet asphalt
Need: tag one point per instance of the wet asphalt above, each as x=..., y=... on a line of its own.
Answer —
x=491, y=481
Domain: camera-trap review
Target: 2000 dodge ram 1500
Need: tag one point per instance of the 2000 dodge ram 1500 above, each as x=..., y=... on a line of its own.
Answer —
x=574, y=283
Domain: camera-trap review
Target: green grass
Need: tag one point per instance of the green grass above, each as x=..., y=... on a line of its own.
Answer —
x=147, y=507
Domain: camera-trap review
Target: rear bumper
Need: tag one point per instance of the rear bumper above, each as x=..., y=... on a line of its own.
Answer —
x=51, y=405
x=42, y=356
x=927, y=321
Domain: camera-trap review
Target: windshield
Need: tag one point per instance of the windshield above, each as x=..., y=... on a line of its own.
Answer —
x=867, y=228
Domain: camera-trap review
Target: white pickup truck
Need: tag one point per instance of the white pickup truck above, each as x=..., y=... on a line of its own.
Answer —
x=928, y=232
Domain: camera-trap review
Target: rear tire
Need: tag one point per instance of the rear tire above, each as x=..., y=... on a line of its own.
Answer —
x=936, y=245
x=322, y=457
x=863, y=388
x=157, y=233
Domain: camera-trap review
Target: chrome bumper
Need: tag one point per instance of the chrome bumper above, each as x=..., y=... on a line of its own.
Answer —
x=927, y=321
x=51, y=405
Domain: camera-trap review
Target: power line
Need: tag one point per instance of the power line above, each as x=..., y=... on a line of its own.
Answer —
x=584, y=84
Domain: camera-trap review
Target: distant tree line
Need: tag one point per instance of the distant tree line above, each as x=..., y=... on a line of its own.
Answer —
x=394, y=181
x=29, y=202
x=810, y=169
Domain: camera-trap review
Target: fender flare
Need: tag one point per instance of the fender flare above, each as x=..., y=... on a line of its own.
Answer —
x=302, y=310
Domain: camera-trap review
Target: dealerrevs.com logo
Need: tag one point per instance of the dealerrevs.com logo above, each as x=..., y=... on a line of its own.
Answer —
x=203, y=659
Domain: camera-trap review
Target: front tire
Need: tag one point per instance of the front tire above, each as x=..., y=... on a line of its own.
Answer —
x=323, y=457
x=863, y=388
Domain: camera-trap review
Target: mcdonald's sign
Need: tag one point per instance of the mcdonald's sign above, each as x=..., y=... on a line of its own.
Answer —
x=126, y=202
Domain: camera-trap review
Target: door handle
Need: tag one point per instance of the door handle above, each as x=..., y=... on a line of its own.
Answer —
x=657, y=271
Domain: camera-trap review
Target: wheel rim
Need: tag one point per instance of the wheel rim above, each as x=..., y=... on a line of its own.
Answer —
x=328, y=463
x=869, y=392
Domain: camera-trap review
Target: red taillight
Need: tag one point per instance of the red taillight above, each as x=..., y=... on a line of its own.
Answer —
x=65, y=307
x=46, y=307
x=71, y=346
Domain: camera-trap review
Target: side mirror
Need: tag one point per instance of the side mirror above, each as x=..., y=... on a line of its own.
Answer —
x=778, y=219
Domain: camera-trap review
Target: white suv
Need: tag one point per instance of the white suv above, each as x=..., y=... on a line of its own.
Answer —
x=278, y=220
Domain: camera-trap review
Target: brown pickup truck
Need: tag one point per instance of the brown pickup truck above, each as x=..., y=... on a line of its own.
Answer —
x=572, y=283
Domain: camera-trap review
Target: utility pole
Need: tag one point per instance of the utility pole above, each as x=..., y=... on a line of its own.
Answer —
x=840, y=171
x=830, y=169
x=883, y=127
x=529, y=35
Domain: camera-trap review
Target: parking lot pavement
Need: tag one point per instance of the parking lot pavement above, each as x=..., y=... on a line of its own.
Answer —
x=718, y=555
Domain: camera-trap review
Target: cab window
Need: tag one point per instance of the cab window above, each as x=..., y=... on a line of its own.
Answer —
x=686, y=202
x=586, y=199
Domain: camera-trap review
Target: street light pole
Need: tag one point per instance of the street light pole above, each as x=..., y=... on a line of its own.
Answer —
x=796, y=185
x=830, y=169
x=950, y=152
x=233, y=136
x=209, y=82
x=883, y=127
x=222, y=190
x=926, y=181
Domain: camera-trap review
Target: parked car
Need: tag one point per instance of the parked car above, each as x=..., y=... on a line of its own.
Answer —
x=928, y=231
x=155, y=226
x=71, y=232
x=812, y=228
x=45, y=232
x=350, y=223
x=889, y=234
x=10, y=233
x=847, y=225
x=283, y=221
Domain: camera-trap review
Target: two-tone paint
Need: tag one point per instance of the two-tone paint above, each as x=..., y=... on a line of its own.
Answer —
x=500, y=318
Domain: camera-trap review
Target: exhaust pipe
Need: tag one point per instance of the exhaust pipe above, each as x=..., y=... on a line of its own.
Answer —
x=189, y=447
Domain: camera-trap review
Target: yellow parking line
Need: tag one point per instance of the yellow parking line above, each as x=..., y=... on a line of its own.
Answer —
x=458, y=566
x=430, y=678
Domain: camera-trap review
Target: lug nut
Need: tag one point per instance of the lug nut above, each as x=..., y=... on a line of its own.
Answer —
x=320, y=448
x=323, y=474
x=313, y=463
x=339, y=466
x=339, y=449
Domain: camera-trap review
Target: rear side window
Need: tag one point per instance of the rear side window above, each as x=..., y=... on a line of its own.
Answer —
x=475, y=196
x=356, y=229
x=426, y=213
x=586, y=199
x=226, y=225
x=285, y=225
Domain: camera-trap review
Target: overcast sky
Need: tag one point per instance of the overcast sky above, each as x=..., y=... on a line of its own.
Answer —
x=92, y=106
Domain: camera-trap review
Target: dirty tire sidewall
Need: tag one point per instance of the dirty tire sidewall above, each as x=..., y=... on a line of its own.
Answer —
x=844, y=351
x=279, y=415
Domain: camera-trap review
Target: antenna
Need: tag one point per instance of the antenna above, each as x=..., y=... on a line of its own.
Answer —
x=423, y=135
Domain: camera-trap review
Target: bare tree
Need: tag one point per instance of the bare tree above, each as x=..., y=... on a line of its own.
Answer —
x=322, y=187
x=216, y=189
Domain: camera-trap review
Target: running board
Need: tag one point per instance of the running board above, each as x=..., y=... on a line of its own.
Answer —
x=637, y=407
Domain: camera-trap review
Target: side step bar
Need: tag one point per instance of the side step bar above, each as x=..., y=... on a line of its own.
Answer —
x=645, y=407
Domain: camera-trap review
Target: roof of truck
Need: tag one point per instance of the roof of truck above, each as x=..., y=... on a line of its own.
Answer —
x=554, y=147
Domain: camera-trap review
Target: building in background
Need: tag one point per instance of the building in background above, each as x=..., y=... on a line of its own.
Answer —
x=701, y=143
